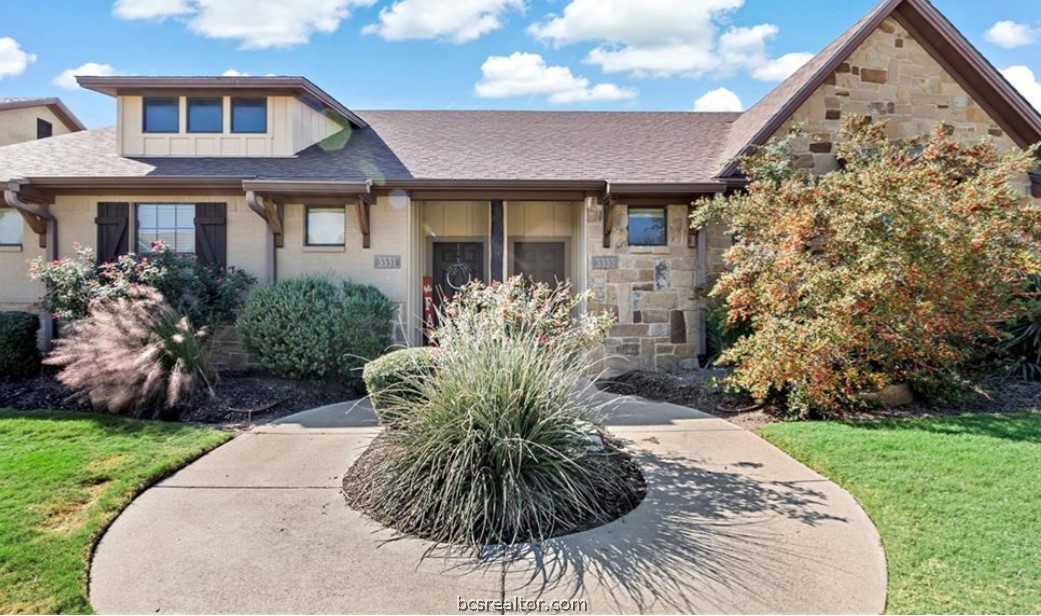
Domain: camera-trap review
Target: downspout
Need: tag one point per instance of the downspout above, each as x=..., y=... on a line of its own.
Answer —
x=255, y=203
x=49, y=238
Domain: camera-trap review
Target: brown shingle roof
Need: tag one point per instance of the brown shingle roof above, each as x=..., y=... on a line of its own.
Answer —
x=441, y=145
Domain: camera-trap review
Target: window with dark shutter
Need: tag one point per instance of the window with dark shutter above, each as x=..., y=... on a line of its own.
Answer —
x=113, y=223
x=211, y=233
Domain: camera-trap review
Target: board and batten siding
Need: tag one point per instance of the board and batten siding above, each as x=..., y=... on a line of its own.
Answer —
x=292, y=126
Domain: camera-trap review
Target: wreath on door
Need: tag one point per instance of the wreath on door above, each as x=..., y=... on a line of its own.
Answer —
x=458, y=275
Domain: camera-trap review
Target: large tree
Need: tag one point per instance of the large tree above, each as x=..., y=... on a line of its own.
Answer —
x=887, y=270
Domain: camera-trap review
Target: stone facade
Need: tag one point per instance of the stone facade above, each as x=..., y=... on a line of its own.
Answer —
x=648, y=288
x=228, y=353
x=889, y=77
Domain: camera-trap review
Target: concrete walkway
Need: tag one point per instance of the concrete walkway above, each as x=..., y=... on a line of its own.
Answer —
x=730, y=525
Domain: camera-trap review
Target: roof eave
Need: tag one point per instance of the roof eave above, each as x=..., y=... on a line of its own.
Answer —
x=301, y=85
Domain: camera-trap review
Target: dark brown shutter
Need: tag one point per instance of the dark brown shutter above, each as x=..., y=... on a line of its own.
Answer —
x=211, y=233
x=113, y=223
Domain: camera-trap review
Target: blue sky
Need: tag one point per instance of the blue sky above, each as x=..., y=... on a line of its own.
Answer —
x=456, y=54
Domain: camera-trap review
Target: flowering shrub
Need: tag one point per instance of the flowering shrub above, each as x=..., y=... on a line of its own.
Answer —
x=134, y=354
x=505, y=310
x=206, y=295
x=886, y=271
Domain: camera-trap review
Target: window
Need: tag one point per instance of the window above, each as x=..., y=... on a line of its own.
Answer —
x=249, y=115
x=205, y=115
x=44, y=129
x=325, y=226
x=171, y=223
x=10, y=227
x=161, y=115
x=647, y=226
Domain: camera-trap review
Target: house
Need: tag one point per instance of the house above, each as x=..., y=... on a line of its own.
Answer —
x=274, y=176
x=26, y=119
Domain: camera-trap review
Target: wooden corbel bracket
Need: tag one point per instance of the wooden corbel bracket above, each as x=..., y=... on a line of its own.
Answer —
x=273, y=213
x=609, y=218
x=39, y=220
x=365, y=201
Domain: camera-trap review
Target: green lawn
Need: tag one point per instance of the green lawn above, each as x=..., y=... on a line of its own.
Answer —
x=957, y=501
x=63, y=477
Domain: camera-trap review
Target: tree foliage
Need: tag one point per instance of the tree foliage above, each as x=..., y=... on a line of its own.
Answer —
x=885, y=271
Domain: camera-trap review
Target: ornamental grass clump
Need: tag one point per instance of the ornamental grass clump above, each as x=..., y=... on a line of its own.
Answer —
x=500, y=445
x=134, y=354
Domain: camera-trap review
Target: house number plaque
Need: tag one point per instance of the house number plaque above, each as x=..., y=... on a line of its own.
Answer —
x=605, y=262
x=387, y=262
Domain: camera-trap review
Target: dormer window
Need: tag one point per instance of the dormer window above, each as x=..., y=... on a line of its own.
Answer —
x=205, y=115
x=161, y=114
x=249, y=115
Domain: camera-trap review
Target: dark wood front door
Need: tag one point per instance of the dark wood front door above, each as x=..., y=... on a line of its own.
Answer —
x=455, y=264
x=540, y=261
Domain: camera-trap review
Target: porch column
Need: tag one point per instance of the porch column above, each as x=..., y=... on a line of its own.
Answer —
x=497, y=241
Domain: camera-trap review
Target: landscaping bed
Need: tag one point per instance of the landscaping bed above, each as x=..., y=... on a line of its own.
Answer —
x=66, y=476
x=697, y=390
x=234, y=394
x=628, y=490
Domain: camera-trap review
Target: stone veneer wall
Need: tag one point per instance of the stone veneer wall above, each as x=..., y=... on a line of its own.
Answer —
x=650, y=291
x=889, y=77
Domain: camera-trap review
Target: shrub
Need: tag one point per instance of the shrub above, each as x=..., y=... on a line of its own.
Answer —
x=1020, y=349
x=134, y=354
x=310, y=328
x=889, y=270
x=206, y=295
x=393, y=380
x=499, y=446
x=19, y=353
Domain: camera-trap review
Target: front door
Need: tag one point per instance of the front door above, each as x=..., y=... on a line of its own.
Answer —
x=540, y=261
x=456, y=264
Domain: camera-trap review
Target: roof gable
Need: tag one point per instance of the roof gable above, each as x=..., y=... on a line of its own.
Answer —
x=940, y=39
x=53, y=103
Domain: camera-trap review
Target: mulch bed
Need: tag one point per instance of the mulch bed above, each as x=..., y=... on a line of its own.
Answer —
x=234, y=394
x=697, y=390
x=360, y=491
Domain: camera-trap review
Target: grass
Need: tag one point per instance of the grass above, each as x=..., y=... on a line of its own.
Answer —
x=956, y=500
x=63, y=478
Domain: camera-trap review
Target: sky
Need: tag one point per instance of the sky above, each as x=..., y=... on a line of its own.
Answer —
x=641, y=55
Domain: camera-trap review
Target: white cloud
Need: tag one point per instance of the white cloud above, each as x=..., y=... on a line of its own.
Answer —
x=67, y=78
x=720, y=99
x=781, y=68
x=256, y=24
x=13, y=59
x=234, y=73
x=150, y=9
x=457, y=21
x=1010, y=34
x=1024, y=80
x=527, y=74
x=662, y=37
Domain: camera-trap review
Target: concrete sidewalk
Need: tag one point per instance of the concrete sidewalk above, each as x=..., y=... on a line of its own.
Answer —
x=730, y=525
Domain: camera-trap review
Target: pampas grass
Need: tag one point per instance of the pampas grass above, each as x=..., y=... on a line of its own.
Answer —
x=134, y=355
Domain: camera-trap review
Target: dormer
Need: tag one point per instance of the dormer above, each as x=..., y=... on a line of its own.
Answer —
x=230, y=117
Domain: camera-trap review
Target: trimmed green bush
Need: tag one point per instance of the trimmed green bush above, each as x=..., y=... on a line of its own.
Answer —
x=393, y=381
x=19, y=354
x=312, y=328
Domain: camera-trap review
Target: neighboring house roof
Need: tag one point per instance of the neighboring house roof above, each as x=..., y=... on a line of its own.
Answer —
x=300, y=87
x=56, y=106
x=935, y=33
